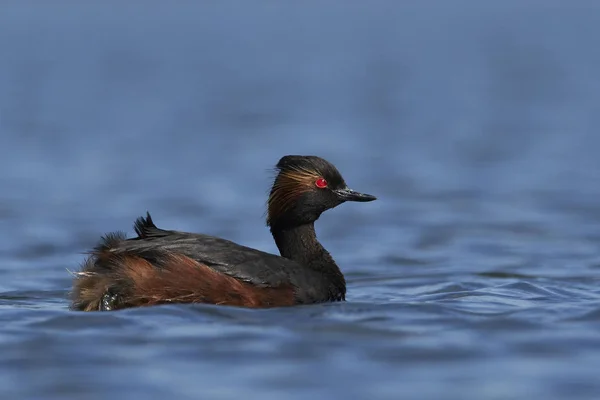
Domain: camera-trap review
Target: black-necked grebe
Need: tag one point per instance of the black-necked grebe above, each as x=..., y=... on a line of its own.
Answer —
x=161, y=266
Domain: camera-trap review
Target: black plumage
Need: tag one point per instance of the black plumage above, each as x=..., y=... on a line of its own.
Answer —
x=151, y=268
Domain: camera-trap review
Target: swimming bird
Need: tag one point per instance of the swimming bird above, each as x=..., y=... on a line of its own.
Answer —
x=167, y=266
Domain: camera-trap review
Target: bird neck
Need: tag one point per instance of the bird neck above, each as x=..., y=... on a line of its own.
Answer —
x=299, y=243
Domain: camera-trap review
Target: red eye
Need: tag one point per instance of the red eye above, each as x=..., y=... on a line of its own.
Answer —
x=321, y=183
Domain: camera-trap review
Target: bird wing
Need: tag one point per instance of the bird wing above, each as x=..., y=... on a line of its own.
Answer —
x=224, y=256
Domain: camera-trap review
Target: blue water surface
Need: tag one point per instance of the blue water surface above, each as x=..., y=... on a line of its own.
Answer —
x=476, y=275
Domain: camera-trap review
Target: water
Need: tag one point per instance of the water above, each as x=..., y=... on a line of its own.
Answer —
x=474, y=276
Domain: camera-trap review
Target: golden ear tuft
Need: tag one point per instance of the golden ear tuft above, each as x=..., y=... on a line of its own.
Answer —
x=288, y=186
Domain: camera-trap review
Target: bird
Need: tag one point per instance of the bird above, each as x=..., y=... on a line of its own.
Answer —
x=161, y=266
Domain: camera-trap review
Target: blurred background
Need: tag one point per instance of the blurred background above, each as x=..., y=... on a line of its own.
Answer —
x=474, y=276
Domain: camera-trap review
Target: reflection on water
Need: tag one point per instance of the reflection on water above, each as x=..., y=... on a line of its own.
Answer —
x=474, y=276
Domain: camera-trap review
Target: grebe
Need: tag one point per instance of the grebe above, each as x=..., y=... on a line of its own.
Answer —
x=163, y=266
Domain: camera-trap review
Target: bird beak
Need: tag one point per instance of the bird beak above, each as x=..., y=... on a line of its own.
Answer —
x=346, y=194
